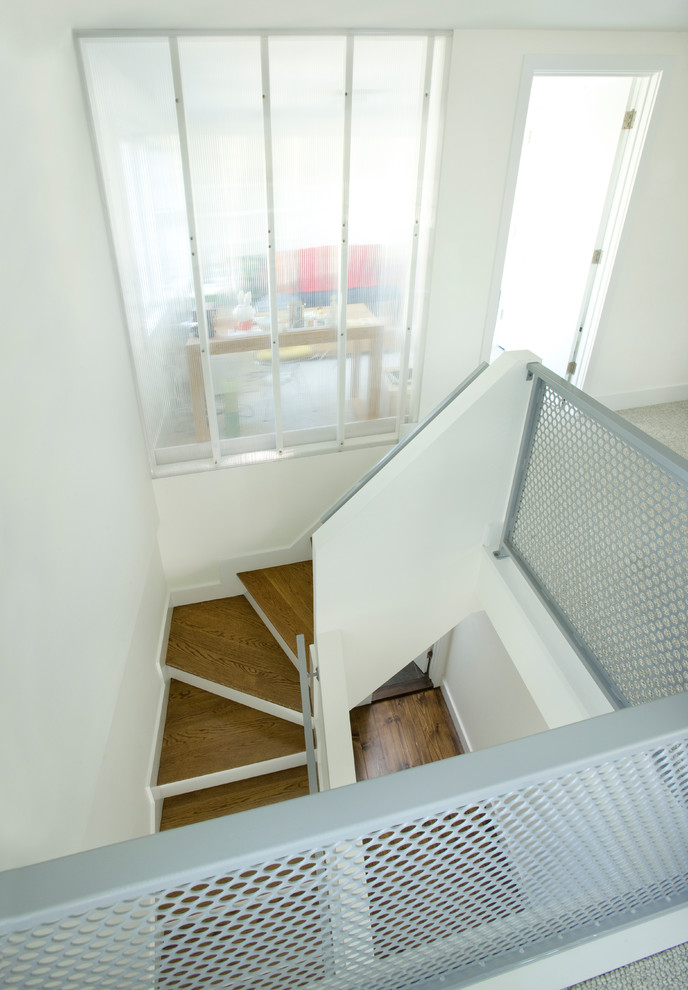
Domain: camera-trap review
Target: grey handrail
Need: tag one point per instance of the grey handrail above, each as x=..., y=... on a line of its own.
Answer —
x=307, y=715
x=72, y=884
x=390, y=455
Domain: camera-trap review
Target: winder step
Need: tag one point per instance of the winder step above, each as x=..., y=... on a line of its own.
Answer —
x=205, y=734
x=226, y=642
x=283, y=597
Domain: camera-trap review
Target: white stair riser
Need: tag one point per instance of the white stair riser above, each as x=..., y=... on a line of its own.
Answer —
x=175, y=787
x=249, y=700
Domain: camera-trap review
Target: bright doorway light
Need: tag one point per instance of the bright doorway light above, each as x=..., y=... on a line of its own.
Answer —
x=580, y=150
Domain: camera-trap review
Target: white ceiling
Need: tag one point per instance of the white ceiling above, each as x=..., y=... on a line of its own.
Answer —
x=646, y=15
x=43, y=16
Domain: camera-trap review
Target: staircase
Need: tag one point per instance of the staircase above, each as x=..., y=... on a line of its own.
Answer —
x=233, y=736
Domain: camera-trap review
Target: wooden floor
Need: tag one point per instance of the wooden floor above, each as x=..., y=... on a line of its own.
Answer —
x=285, y=595
x=402, y=732
x=225, y=641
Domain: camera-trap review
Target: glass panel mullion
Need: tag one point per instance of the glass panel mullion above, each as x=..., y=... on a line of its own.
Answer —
x=272, y=238
x=428, y=209
x=407, y=322
x=344, y=247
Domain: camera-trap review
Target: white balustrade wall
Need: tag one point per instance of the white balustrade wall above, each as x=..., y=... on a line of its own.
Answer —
x=396, y=566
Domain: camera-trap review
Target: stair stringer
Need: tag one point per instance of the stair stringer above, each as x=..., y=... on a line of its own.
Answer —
x=270, y=625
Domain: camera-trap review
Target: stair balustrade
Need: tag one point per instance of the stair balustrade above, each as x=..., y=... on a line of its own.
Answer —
x=439, y=876
x=452, y=873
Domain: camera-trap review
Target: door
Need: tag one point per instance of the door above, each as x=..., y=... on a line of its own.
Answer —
x=579, y=154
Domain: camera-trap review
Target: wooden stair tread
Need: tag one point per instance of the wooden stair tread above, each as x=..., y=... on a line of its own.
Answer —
x=242, y=795
x=226, y=642
x=205, y=734
x=285, y=594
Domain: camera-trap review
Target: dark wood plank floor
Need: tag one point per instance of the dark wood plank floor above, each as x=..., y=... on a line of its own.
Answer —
x=399, y=733
x=285, y=594
x=213, y=802
x=225, y=641
x=205, y=733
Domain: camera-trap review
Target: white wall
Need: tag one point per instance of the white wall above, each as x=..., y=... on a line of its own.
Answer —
x=213, y=525
x=483, y=689
x=77, y=515
x=396, y=567
x=122, y=805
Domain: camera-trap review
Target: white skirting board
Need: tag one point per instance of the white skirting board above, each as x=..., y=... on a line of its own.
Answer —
x=644, y=397
x=155, y=802
x=229, y=584
x=456, y=718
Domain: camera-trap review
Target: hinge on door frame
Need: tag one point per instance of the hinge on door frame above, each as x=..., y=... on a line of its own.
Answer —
x=596, y=256
x=571, y=367
x=629, y=120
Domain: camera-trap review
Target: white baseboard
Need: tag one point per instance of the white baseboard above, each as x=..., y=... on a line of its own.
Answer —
x=156, y=748
x=229, y=584
x=644, y=397
x=456, y=718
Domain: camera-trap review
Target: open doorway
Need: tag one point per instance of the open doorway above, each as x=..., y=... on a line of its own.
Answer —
x=574, y=163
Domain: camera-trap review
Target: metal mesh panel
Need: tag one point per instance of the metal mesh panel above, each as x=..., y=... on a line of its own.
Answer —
x=601, y=527
x=664, y=971
x=463, y=891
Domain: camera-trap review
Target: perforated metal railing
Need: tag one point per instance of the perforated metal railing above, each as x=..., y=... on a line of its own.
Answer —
x=432, y=877
x=598, y=522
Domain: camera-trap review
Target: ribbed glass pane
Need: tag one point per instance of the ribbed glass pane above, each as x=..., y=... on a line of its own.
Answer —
x=133, y=104
x=428, y=210
x=307, y=124
x=223, y=104
x=385, y=132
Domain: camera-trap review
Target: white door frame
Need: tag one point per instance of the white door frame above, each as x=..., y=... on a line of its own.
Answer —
x=651, y=69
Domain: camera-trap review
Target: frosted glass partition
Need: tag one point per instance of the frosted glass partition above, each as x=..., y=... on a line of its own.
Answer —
x=224, y=117
x=386, y=118
x=267, y=193
x=307, y=125
x=132, y=101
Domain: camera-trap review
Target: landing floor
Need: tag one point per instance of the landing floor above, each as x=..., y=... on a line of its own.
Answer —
x=399, y=733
